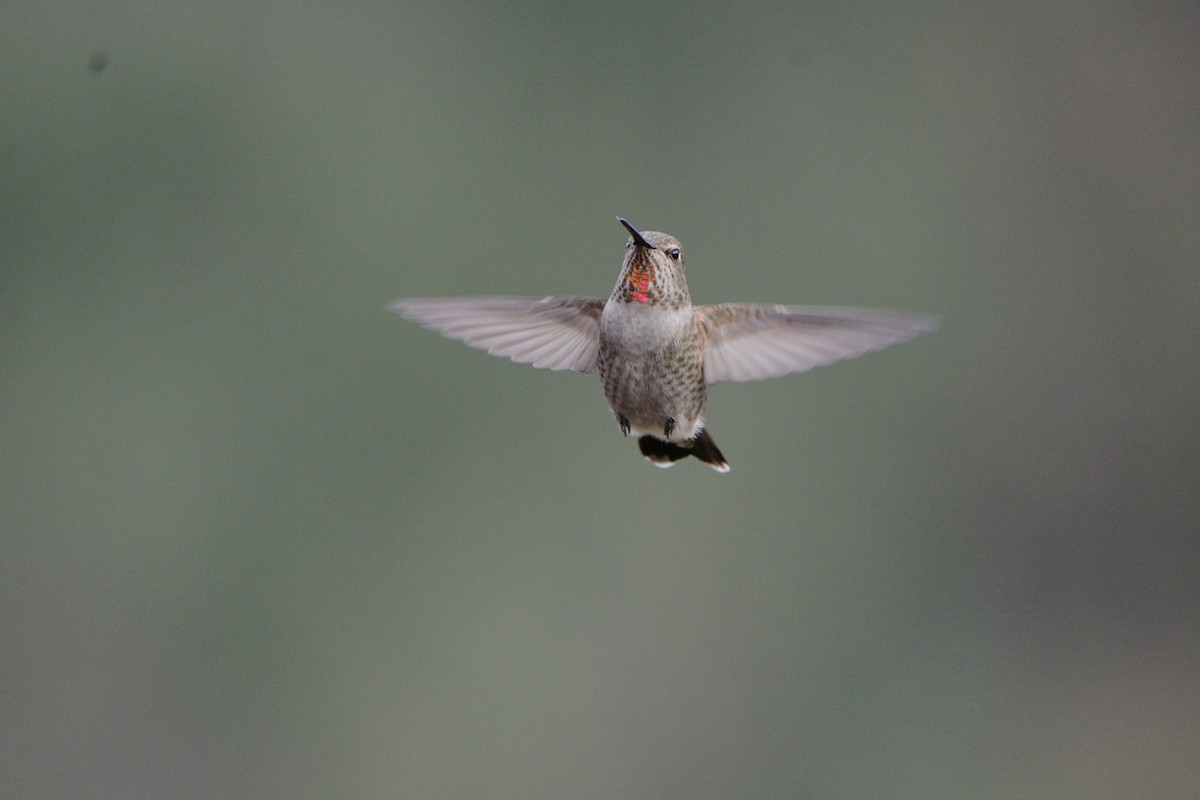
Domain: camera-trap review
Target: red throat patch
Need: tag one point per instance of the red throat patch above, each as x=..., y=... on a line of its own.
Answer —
x=639, y=283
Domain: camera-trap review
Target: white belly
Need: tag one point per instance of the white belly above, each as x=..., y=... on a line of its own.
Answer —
x=641, y=373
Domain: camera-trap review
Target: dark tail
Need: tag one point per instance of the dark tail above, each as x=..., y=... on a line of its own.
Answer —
x=665, y=454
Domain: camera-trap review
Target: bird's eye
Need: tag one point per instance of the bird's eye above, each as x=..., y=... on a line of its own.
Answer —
x=673, y=253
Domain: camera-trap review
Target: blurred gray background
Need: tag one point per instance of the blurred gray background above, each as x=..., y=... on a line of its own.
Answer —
x=262, y=539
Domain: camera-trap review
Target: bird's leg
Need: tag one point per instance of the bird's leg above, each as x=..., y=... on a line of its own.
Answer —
x=669, y=426
x=623, y=421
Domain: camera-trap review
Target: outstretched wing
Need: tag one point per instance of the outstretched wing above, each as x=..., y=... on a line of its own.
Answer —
x=747, y=342
x=555, y=332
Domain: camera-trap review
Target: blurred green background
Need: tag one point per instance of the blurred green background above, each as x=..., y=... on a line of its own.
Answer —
x=262, y=539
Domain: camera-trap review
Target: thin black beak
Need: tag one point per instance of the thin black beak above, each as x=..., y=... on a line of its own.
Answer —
x=637, y=237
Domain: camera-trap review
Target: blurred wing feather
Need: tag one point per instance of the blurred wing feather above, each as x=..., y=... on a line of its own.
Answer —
x=554, y=332
x=748, y=342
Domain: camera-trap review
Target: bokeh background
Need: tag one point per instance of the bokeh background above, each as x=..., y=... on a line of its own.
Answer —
x=262, y=539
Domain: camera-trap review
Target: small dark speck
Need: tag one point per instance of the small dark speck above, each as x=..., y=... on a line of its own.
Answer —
x=97, y=63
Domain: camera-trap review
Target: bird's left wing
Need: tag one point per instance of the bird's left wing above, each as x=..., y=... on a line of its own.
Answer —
x=747, y=342
x=554, y=332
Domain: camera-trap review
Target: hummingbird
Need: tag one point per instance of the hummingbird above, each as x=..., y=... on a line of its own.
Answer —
x=657, y=354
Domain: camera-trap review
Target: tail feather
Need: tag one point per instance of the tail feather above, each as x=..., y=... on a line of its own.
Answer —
x=664, y=454
x=705, y=449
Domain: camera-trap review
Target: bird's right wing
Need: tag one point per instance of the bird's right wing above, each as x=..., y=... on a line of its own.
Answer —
x=554, y=332
x=749, y=342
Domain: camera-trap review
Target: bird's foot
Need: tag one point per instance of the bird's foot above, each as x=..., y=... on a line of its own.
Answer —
x=669, y=426
x=623, y=421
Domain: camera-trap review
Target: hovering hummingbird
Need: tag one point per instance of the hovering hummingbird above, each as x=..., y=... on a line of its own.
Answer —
x=656, y=352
